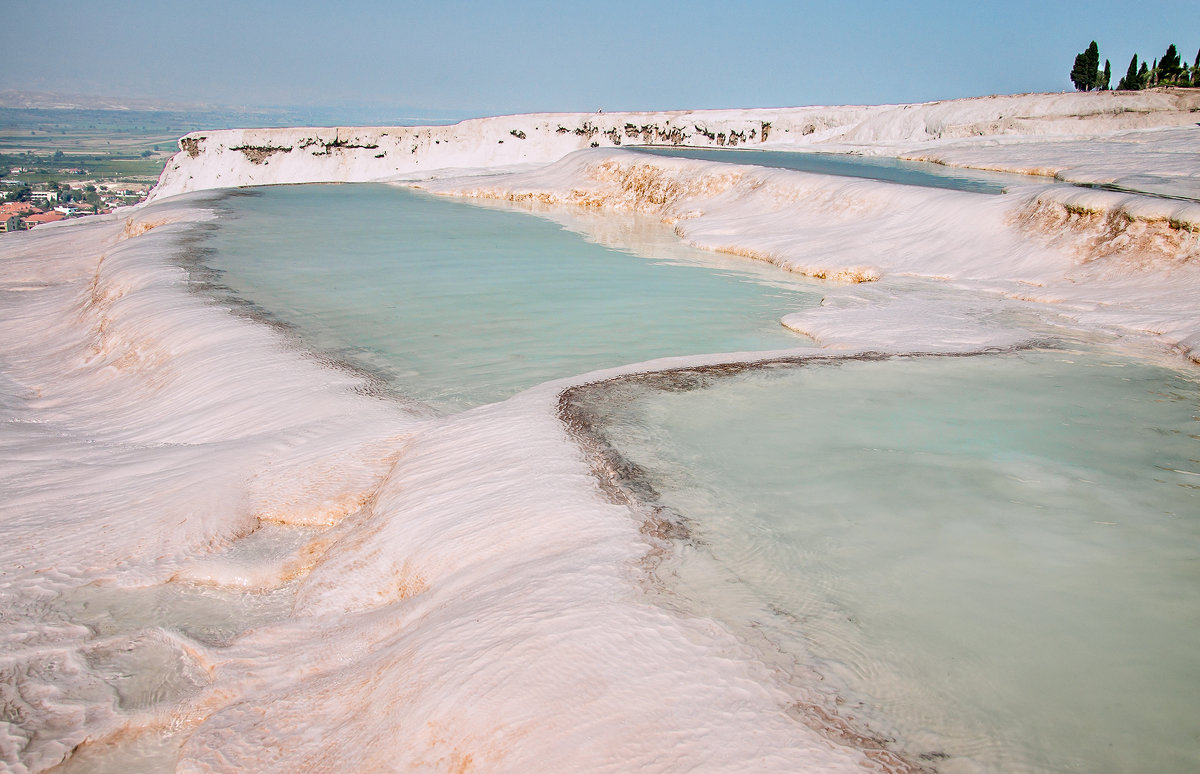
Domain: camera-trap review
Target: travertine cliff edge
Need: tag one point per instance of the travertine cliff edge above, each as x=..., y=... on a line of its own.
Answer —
x=239, y=157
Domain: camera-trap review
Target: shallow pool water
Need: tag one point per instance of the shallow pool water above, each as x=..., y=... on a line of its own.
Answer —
x=984, y=563
x=459, y=305
x=990, y=560
x=890, y=170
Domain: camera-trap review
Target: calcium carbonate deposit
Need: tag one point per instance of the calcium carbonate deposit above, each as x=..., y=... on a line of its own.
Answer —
x=260, y=516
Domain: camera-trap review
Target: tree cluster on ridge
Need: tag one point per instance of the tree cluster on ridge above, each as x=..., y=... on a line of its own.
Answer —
x=1168, y=70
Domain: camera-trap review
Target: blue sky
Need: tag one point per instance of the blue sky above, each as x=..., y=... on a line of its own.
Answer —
x=477, y=58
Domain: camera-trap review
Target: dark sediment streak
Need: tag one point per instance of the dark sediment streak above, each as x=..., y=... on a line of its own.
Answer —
x=194, y=255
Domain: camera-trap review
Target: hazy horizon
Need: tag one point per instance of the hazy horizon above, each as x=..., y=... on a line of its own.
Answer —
x=459, y=60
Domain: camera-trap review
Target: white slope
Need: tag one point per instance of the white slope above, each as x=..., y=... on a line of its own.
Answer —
x=1103, y=259
x=240, y=157
x=218, y=554
x=1164, y=161
x=1108, y=259
x=381, y=590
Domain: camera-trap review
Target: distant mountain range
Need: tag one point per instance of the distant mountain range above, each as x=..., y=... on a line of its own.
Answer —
x=12, y=98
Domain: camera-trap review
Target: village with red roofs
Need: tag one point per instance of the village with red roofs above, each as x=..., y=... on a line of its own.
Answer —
x=26, y=208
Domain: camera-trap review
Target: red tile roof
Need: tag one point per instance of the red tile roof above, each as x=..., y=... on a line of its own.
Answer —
x=43, y=217
x=8, y=209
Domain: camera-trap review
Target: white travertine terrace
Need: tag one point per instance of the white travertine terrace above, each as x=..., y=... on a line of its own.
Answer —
x=238, y=157
x=461, y=594
x=1040, y=245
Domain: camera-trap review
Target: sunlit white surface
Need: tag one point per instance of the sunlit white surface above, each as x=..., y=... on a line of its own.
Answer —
x=221, y=554
x=224, y=552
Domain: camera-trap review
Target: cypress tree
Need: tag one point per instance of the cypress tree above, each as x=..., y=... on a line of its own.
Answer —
x=1143, y=78
x=1168, y=66
x=1079, y=73
x=1130, y=81
x=1106, y=79
x=1085, y=74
